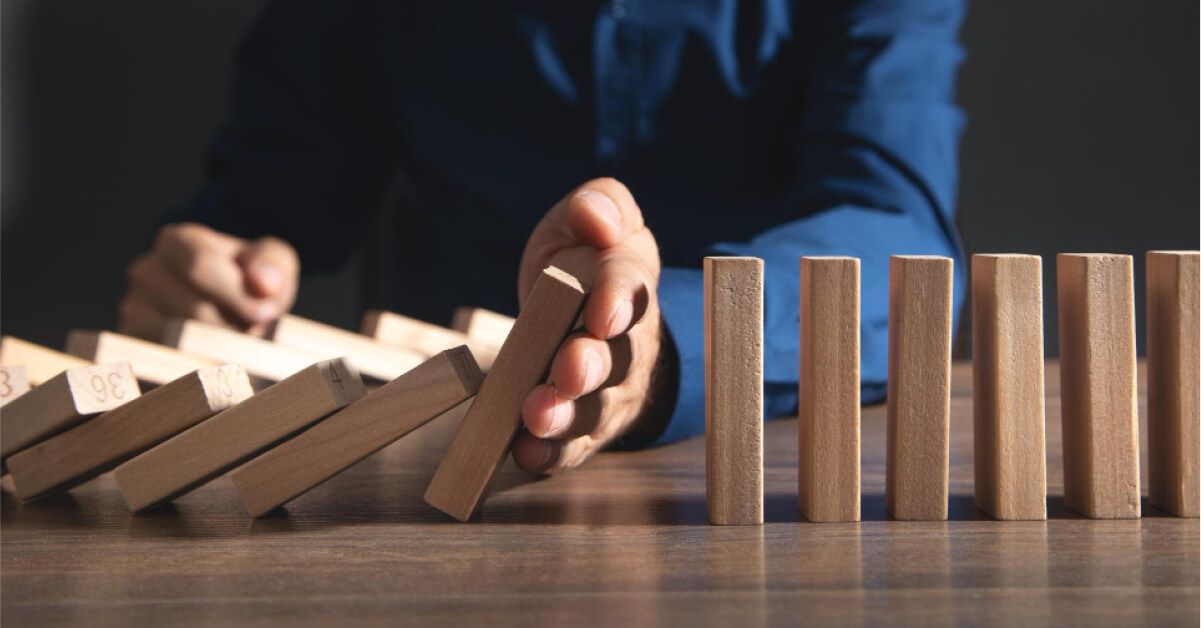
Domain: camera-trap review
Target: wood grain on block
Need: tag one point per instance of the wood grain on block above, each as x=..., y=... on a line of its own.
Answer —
x=371, y=358
x=1173, y=369
x=152, y=363
x=262, y=358
x=483, y=438
x=1097, y=385
x=84, y=452
x=1007, y=371
x=425, y=338
x=357, y=431
x=14, y=382
x=229, y=438
x=829, y=389
x=483, y=325
x=65, y=400
x=919, y=386
x=733, y=328
x=40, y=363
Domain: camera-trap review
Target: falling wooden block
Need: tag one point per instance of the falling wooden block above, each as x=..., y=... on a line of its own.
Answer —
x=14, y=382
x=425, y=338
x=262, y=358
x=733, y=302
x=231, y=437
x=919, y=386
x=357, y=431
x=63, y=401
x=152, y=363
x=1173, y=369
x=1097, y=385
x=84, y=452
x=483, y=439
x=364, y=354
x=1007, y=384
x=41, y=364
x=829, y=389
x=482, y=325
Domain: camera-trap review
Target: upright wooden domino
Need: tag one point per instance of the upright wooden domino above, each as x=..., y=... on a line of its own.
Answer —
x=829, y=389
x=65, y=400
x=84, y=452
x=357, y=431
x=482, y=325
x=919, y=386
x=1097, y=372
x=1007, y=384
x=373, y=359
x=41, y=364
x=262, y=358
x=212, y=447
x=1173, y=369
x=483, y=439
x=733, y=328
x=152, y=363
x=426, y=338
x=14, y=382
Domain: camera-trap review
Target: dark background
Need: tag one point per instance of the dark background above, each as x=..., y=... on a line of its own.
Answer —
x=1083, y=119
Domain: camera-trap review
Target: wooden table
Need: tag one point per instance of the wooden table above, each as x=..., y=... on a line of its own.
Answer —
x=623, y=540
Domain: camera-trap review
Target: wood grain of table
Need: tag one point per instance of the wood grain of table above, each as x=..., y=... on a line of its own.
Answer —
x=623, y=540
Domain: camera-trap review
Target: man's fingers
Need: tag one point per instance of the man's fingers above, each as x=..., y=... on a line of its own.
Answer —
x=602, y=213
x=581, y=365
x=151, y=285
x=546, y=413
x=271, y=267
x=620, y=297
x=540, y=455
x=139, y=318
x=206, y=261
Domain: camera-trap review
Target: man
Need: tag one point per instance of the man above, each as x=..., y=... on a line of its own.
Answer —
x=655, y=132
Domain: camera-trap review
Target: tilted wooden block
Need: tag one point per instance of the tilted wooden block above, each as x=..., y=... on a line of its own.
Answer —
x=829, y=389
x=733, y=328
x=1173, y=369
x=919, y=386
x=364, y=354
x=357, y=431
x=40, y=363
x=84, y=452
x=14, y=382
x=231, y=437
x=426, y=338
x=482, y=325
x=1007, y=376
x=152, y=363
x=262, y=358
x=483, y=439
x=1097, y=385
x=65, y=400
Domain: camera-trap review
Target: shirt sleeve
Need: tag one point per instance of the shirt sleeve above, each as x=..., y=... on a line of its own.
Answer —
x=875, y=176
x=305, y=154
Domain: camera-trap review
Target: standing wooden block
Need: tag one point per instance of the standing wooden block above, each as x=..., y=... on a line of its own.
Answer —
x=14, y=382
x=425, y=338
x=483, y=439
x=152, y=363
x=1173, y=369
x=733, y=301
x=262, y=358
x=364, y=354
x=357, y=431
x=41, y=364
x=829, y=389
x=214, y=446
x=483, y=325
x=1097, y=385
x=65, y=400
x=919, y=386
x=86, y=451
x=1007, y=380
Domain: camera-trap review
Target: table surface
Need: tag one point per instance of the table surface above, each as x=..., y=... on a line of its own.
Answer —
x=622, y=540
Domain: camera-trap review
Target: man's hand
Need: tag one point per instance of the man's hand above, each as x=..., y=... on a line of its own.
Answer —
x=195, y=272
x=603, y=379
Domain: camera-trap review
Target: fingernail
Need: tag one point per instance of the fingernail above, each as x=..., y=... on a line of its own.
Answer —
x=620, y=319
x=546, y=456
x=560, y=416
x=603, y=206
x=592, y=369
x=268, y=277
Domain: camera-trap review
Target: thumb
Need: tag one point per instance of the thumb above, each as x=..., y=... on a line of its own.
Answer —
x=271, y=269
x=601, y=213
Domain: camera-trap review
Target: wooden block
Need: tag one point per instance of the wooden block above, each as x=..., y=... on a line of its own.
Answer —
x=84, y=452
x=364, y=354
x=483, y=439
x=214, y=446
x=1097, y=385
x=1173, y=369
x=63, y=401
x=425, y=338
x=357, y=431
x=262, y=358
x=733, y=302
x=829, y=389
x=41, y=364
x=14, y=382
x=482, y=325
x=1007, y=380
x=152, y=363
x=919, y=386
